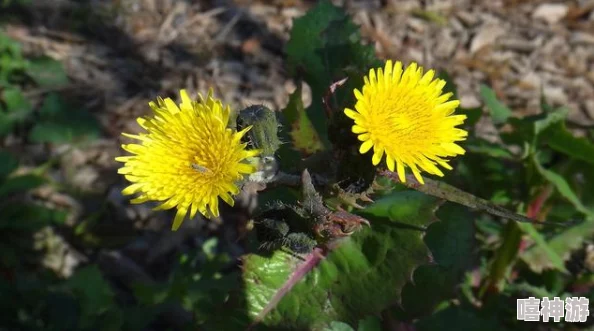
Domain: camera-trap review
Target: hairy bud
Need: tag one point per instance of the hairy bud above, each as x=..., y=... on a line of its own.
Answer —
x=264, y=132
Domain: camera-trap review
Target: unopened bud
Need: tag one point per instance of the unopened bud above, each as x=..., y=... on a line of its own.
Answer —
x=264, y=132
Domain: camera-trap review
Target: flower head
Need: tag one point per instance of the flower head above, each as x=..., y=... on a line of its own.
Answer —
x=187, y=158
x=405, y=115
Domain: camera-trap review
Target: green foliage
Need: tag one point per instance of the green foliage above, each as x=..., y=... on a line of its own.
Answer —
x=499, y=111
x=60, y=123
x=453, y=246
x=364, y=275
x=15, y=110
x=488, y=169
x=201, y=290
x=56, y=121
x=426, y=261
x=264, y=132
x=47, y=72
x=325, y=46
x=302, y=135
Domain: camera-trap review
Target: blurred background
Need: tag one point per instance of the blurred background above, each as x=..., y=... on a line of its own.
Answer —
x=75, y=74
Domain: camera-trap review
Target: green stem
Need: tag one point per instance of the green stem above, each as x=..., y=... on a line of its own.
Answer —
x=450, y=193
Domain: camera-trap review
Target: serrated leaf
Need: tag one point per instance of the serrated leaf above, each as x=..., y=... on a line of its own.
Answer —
x=452, y=243
x=323, y=45
x=305, y=37
x=498, y=110
x=540, y=292
x=364, y=275
x=47, y=72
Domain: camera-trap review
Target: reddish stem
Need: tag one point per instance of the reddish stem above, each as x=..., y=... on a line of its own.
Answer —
x=533, y=211
x=310, y=262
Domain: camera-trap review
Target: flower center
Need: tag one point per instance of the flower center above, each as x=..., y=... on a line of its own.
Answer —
x=405, y=120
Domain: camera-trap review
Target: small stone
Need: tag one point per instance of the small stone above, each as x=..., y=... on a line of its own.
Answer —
x=589, y=107
x=551, y=12
x=487, y=35
x=469, y=19
x=416, y=24
x=469, y=101
x=582, y=38
x=555, y=95
x=530, y=81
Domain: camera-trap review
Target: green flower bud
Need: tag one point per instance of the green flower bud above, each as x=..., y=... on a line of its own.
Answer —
x=264, y=132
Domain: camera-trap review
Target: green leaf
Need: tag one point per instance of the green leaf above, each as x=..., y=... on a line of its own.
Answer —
x=11, y=60
x=499, y=111
x=16, y=109
x=505, y=256
x=550, y=119
x=303, y=135
x=53, y=106
x=460, y=319
x=94, y=294
x=560, y=139
x=540, y=292
x=563, y=188
x=488, y=148
x=452, y=243
x=20, y=184
x=473, y=115
x=8, y=163
x=47, y=72
x=324, y=45
x=29, y=217
x=16, y=103
x=554, y=259
x=338, y=326
x=370, y=323
x=60, y=123
x=562, y=244
x=450, y=87
x=363, y=276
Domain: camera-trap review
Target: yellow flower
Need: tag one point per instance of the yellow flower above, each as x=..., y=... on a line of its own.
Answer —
x=187, y=158
x=405, y=115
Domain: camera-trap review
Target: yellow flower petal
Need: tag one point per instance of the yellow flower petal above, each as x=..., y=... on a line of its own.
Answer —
x=365, y=147
x=404, y=114
x=179, y=218
x=351, y=113
x=390, y=162
x=188, y=158
x=358, y=129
